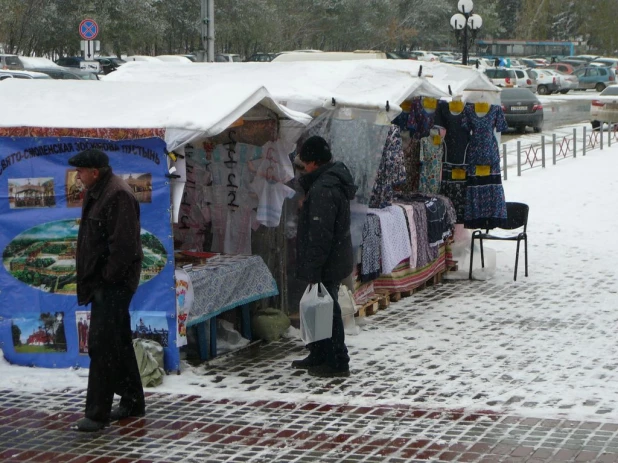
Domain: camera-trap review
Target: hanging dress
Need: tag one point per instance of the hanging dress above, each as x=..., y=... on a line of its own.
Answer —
x=485, y=202
x=453, y=184
x=431, y=166
x=419, y=124
x=391, y=172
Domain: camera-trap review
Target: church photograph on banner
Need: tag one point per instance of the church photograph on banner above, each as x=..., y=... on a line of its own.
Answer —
x=40, y=212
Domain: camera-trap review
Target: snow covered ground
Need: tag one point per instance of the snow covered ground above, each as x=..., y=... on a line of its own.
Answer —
x=543, y=346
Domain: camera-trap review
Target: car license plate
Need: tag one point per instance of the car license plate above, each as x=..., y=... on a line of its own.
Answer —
x=519, y=108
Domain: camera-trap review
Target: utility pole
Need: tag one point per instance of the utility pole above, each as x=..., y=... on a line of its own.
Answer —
x=207, y=30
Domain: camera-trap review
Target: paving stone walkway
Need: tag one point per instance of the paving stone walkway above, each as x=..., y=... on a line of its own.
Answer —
x=412, y=418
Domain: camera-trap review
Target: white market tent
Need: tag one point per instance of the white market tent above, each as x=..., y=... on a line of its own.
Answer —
x=307, y=86
x=185, y=111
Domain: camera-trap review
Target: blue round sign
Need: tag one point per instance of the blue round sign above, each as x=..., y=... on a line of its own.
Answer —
x=88, y=29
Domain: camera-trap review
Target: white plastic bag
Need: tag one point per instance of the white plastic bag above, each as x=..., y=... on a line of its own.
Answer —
x=348, y=309
x=316, y=314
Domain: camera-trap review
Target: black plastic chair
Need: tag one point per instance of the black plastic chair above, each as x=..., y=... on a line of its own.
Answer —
x=517, y=217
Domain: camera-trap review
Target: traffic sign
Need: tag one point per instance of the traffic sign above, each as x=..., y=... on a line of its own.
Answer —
x=88, y=29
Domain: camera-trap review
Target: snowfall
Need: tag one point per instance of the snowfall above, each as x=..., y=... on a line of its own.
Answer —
x=549, y=338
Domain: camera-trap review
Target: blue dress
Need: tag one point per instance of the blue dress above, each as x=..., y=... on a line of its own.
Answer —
x=485, y=202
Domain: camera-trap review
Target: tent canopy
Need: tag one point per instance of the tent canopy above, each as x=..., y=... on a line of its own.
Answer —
x=307, y=86
x=183, y=109
x=302, y=86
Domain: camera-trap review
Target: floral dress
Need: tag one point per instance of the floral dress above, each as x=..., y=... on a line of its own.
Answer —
x=485, y=202
x=419, y=124
x=391, y=172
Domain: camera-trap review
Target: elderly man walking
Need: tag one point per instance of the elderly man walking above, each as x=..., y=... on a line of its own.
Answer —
x=109, y=259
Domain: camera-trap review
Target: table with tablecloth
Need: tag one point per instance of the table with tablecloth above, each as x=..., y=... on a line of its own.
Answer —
x=223, y=283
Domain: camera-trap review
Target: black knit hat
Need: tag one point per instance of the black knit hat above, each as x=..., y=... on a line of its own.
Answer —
x=91, y=158
x=315, y=149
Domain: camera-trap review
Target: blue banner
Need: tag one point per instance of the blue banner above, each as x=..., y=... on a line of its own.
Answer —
x=40, y=207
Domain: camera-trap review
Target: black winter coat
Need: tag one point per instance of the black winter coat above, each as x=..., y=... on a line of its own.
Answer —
x=323, y=242
x=109, y=246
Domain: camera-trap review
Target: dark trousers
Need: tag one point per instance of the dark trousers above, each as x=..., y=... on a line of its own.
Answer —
x=113, y=366
x=332, y=351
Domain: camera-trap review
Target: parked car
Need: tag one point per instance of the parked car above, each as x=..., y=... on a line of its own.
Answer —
x=530, y=63
x=179, y=59
x=567, y=82
x=70, y=61
x=546, y=81
x=565, y=68
x=262, y=57
x=227, y=58
x=109, y=63
x=60, y=72
x=502, y=77
x=47, y=66
x=422, y=55
x=586, y=58
x=605, y=108
x=596, y=77
x=14, y=74
x=525, y=80
x=12, y=62
x=522, y=109
x=607, y=62
x=516, y=64
x=394, y=55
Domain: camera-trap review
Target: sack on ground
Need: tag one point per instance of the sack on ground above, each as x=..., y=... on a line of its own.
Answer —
x=149, y=356
x=316, y=314
x=269, y=324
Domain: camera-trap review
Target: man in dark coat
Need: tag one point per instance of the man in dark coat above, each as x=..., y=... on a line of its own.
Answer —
x=324, y=247
x=108, y=257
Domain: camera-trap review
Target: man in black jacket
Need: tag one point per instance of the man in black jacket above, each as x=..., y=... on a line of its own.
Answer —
x=324, y=247
x=108, y=257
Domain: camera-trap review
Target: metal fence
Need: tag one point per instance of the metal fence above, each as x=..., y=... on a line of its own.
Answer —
x=553, y=148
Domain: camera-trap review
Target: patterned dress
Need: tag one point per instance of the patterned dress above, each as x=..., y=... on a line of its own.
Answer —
x=485, y=203
x=431, y=166
x=419, y=124
x=391, y=172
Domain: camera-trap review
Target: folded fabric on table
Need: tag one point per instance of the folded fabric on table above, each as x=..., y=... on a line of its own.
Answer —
x=395, y=243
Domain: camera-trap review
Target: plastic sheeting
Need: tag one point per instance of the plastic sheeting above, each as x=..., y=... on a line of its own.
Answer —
x=357, y=139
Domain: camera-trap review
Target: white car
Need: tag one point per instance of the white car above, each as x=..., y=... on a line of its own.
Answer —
x=567, y=82
x=605, y=107
x=422, y=55
x=525, y=80
x=502, y=77
x=546, y=81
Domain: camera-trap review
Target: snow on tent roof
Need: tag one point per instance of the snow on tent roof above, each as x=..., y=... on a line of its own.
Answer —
x=306, y=86
x=181, y=107
x=302, y=86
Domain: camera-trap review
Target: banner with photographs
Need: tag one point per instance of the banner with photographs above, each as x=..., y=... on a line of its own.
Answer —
x=40, y=209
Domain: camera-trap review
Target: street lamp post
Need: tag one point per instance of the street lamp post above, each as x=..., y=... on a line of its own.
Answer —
x=463, y=21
